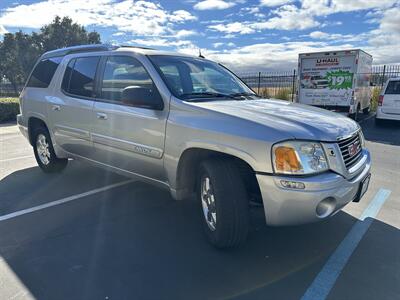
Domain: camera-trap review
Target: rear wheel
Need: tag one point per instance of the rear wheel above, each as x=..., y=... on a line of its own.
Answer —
x=366, y=110
x=224, y=203
x=44, y=152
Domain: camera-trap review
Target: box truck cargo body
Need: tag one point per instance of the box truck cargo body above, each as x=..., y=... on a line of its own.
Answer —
x=336, y=80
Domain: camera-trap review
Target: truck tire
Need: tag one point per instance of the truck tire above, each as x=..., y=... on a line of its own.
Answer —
x=44, y=152
x=224, y=203
x=354, y=115
x=366, y=110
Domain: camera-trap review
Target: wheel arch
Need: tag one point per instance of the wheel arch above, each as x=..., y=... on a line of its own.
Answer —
x=188, y=165
x=35, y=122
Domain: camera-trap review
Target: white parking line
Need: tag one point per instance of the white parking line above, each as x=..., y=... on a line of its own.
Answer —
x=62, y=201
x=16, y=158
x=326, y=278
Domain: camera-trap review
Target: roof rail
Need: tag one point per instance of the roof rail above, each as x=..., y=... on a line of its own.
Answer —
x=77, y=49
x=137, y=47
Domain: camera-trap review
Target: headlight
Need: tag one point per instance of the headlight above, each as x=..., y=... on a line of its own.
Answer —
x=298, y=158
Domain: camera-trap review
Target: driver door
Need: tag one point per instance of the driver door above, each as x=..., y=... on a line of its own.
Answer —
x=127, y=137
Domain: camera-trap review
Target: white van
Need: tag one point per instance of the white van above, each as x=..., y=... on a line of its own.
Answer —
x=389, y=101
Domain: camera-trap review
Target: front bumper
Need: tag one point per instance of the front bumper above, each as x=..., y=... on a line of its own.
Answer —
x=324, y=195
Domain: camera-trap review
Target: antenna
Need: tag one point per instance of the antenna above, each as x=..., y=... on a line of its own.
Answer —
x=200, y=55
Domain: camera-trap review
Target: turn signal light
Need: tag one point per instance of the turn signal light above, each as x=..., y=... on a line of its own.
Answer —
x=286, y=160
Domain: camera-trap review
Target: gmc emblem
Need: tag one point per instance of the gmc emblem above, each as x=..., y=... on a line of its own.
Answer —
x=353, y=149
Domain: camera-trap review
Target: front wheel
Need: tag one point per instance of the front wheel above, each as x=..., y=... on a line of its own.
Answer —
x=366, y=110
x=44, y=152
x=224, y=203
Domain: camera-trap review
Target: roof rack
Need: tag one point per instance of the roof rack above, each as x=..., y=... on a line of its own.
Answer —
x=137, y=47
x=77, y=49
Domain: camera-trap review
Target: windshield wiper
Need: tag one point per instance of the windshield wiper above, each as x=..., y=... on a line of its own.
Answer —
x=188, y=96
x=244, y=94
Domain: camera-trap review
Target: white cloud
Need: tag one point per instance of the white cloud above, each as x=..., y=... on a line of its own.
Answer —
x=384, y=41
x=138, y=17
x=230, y=28
x=184, y=33
x=160, y=42
x=288, y=17
x=324, y=7
x=268, y=56
x=213, y=4
x=271, y=3
x=217, y=45
x=335, y=37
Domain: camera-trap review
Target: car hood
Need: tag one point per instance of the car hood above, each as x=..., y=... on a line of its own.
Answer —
x=298, y=120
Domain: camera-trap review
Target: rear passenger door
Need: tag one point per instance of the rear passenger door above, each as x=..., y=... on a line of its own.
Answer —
x=127, y=137
x=71, y=109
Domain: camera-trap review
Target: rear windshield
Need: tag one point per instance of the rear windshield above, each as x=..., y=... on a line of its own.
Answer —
x=44, y=72
x=393, y=88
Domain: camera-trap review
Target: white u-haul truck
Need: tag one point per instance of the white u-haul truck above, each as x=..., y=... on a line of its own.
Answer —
x=336, y=80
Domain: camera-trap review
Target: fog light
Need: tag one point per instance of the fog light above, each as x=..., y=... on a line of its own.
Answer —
x=292, y=184
x=325, y=208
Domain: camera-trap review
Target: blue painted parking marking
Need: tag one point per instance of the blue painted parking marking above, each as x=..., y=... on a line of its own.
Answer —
x=325, y=280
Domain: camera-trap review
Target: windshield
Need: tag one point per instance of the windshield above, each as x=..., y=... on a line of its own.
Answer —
x=193, y=78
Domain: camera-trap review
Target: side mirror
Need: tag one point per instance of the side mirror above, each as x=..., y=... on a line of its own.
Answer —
x=142, y=97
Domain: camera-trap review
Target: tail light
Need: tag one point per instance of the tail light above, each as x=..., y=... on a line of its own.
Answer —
x=380, y=100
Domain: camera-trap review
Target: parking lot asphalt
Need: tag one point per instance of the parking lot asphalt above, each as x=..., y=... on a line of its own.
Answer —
x=105, y=240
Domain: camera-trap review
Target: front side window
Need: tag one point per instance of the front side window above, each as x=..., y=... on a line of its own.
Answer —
x=80, y=75
x=189, y=78
x=44, y=72
x=121, y=73
x=393, y=88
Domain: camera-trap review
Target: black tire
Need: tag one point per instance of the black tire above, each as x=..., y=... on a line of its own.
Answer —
x=231, y=203
x=354, y=115
x=366, y=110
x=54, y=164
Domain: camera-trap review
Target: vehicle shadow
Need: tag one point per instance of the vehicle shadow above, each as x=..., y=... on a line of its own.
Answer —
x=388, y=132
x=30, y=187
x=135, y=242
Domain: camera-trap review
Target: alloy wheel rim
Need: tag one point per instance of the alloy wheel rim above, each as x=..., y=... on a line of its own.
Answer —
x=208, y=203
x=43, y=150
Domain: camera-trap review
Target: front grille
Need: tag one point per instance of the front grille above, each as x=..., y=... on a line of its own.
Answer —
x=351, y=150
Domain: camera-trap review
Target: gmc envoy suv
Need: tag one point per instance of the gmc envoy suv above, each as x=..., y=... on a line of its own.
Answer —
x=190, y=125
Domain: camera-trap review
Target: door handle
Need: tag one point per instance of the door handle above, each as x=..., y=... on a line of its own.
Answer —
x=101, y=116
x=56, y=107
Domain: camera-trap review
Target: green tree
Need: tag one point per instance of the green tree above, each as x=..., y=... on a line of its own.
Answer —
x=19, y=51
x=64, y=33
x=10, y=65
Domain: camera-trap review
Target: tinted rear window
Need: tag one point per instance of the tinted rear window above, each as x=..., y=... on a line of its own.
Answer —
x=393, y=87
x=79, y=76
x=44, y=72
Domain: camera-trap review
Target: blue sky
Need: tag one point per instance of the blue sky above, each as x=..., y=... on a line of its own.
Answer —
x=247, y=35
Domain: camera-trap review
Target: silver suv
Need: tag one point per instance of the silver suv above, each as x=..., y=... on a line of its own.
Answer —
x=191, y=126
